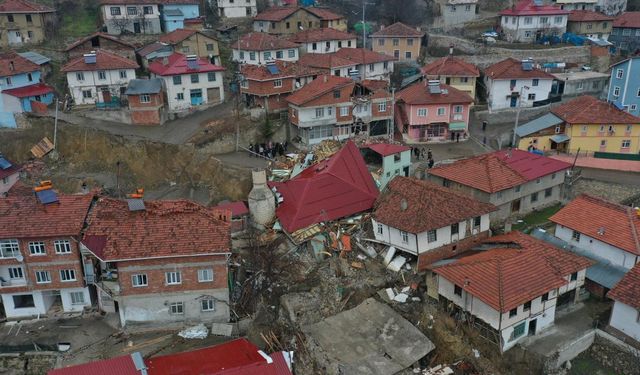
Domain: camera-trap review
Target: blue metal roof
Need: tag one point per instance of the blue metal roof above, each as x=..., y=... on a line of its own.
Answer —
x=538, y=124
x=559, y=138
x=4, y=163
x=35, y=57
x=144, y=86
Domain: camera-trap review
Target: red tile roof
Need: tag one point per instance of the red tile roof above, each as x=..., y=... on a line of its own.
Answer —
x=21, y=65
x=324, y=13
x=285, y=69
x=590, y=216
x=161, y=2
x=510, y=275
x=451, y=66
x=589, y=110
x=498, y=171
x=237, y=208
x=26, y=217
x=151, y=47
x=336, y=187
x=237, y=357
x=23, y=6
x=104, y=61
x=627, y=290
x=177, y=64
x=386, y=149
x=319, y=35
x=27, y=91
x=418, y=93
x=400, y=30
x=325, y=61
x=428, y=206
x=122, y=365
x=511, y=68
x=262, y=42
x=178, y=35
x=100, y=35
x=628, y=20
x=588, y=15
x=318, y=87
x=13, y=169
x=115, y=233
x=363, y=56
x=528, y=8
x=275, y=13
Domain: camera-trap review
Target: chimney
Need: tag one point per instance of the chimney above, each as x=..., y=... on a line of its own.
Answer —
x=90, y=58
x=451, y=50
x=165, y=61
x=11, y=66
x=325, y=78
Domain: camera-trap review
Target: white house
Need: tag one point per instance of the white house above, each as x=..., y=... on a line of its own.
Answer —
x=134, y=17
x=429, y=221
x=481, y=285
x=99, y=77
x=370, y=65
x=191, y=81
x=625, y=316
x=259, y=48
x=512, y=83
x=531, y=20
x=9, y=175
x=237, y=8
x=325, y=40
x=457, y=12
x=577, y=4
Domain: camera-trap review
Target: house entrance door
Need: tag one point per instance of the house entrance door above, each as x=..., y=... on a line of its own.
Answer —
x=532, y=327
x=514, y=101
x=515, y=205
x=136, y=28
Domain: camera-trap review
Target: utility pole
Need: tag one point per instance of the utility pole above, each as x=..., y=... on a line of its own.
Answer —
x=55, y=126
x=515, y=125
x=391, y=127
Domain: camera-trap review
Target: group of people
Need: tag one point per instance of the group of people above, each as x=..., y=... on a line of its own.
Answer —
x=420, y=153
x=268, y=150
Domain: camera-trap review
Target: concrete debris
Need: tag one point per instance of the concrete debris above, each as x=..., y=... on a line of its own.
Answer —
x=222, y=329
x=476, y=353
x=397, y=263
x=369, y=250
x=438, y=370
x=401, y=297
x=196, y=332
x=389, y=255
x=391, y=294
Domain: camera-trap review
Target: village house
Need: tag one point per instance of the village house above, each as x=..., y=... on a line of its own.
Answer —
x=577, y=4
x=192, y=42
x=191, y=82
x=237, y=8
x=482, y=286
x=24, y=22
x=398, y=40
x=608, y=237
x=152, y=51
x=624, y=87
x=580, y=82
x=291, y=19
x=268, y=86
x=515, y=181
x=147, y=102
x=511, y=83
x=370, y=65
x=9, y=175
x=455, y=72
x=100, y=40
x=429, y=221
x=99, y=78
x=590, y=24
x=42, y=61
x=142, y=276
x=325, y=40
x=329, y=63
x=126, y=16
x=259, y=48
x=626, y=305
x=458, y=12
x=40, y=269
x=584, y=123
x=175, y=14
x=530, y=20
x=430, y=111
x=21, y=88
x=387, y=160
x=239, y=215
x=625, y=34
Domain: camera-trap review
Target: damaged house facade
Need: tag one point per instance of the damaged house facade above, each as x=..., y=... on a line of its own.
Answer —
x=513, y=286
x=158, y=261
x=626, y=306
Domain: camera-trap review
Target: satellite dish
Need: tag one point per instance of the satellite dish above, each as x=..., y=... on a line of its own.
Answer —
x=19, y=258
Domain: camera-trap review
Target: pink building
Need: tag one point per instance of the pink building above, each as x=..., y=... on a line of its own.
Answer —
x=432, y=112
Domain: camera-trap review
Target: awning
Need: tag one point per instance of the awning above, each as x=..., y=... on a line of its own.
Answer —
x=457, y=126
x=560, y=138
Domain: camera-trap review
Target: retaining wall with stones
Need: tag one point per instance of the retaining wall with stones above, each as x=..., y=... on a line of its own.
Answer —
x=614, y=355
x=31, y=363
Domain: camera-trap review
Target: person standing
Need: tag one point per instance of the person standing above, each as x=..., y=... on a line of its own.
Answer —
x=429, y=154
x=250, y=150
x=457, y=137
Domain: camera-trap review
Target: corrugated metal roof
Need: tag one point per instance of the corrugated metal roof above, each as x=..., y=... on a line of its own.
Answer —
x=538, y=124
x=35, y=57
x=144, y=86
x=559, y=138
x=122, y=365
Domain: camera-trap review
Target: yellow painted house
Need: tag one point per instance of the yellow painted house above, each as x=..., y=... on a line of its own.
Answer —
x=584, y=123
x=454, y=72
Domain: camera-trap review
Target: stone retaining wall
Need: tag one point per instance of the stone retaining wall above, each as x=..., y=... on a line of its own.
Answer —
x=31, y=363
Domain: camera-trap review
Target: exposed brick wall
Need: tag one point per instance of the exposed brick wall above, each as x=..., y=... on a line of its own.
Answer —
x=155, y=100
x=447, y=251
x=595, y=289
x=149, y=117
x=263, y=88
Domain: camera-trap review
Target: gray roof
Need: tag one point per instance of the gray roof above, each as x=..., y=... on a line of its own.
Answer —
x=144, y=86
x=538, y=124
x=173, y=12
x=35, y=57
x=559, y=138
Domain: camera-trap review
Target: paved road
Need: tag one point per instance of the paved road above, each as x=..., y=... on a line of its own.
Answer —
x=619, y=177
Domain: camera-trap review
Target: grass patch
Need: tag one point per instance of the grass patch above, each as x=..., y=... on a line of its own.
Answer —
x=536, y=218
x=80, y=23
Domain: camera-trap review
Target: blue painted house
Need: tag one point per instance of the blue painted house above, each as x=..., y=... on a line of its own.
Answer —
x=175, y=13
x=20, y=86
x=624, y=85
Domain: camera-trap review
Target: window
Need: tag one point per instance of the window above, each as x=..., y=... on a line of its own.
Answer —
x=453, y=9
x=575, y=236
x=77, y=298
x=43, y=277
x=252, y=56
x=62, y=246
x=405, y=236
x=292, y=53
x=432, y=236
x=23, y=301
x=79, y=77
x=476, y=222
x=589, y=26
x=319, y=112
x=371, y=67
x=513, y=312
x=123, y=74
x=628, y=129
x=139, y=280
x=195, y=78
x=531, y=97
x=29, y=77
x=455, y=228
x=279, y=54
x=396, y=53
x=9, y=248
x=180, y=96
x=553, y=176
x=207, y=305
x=517, y=189
x=527, y=306
x=173, y=278
x=8, y=81
x=528, y=20
x=37, y=248
x=410, y=41
x=545, y=297
x=86, y=94
x=626, y=32
x=535, y=82
x=499, y=195
x=145, y=98
x=407, y=55
x=205, y=275
x=518, y=330
x=67, y=275
x=527, y=34
x=396, y=42
x=102, y=75
x=177, y=80
x=513, y=83
x=574, y=276
x=277, y=83
x=115, y=11
x=441, y=111
x=28, y=18
x=457, y=109
x=422, y=112
x=287, y=25
x=538, y=180
x=16, y=273
x=457, y=290
x=185, y=49
x=544, y=20
x=382, y=107
x=548, y=192
x=558, y=19
x=380, y=229
x=595, y=85
x=612, y=129
x=344, y=111
x=147, y=10
x=176, y=308
x=381, y=42
x=132, y=11
x=616, y=91
x=267, y=55
x=558, y=129
x=211, y=76
x=534, y=197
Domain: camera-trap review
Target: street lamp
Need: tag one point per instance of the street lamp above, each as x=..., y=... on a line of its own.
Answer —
x=515, y=125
